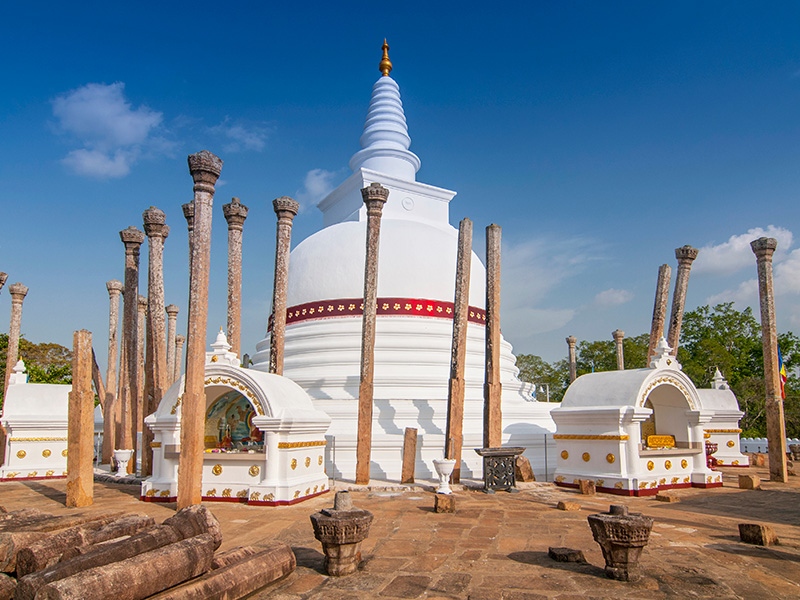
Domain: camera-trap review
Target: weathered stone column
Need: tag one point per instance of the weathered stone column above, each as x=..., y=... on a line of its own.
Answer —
x=179, y=341
x=375, y=196
x=492, y=386
x=454, y=437
x=172, y=328
x=132, y=238
x=80, y=424
x=235, y=214
x=659, y=309
x=205, y=169
x=140, y=341
x=156, y=373
x=776, y=427
x=188, y=213
x=286, y=210
x=618, y=336
x=573, y=361
x=18, y=293
x=114, y=288
x=685, y=256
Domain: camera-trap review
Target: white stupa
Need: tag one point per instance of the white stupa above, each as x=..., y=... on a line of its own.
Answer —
x=416, y=282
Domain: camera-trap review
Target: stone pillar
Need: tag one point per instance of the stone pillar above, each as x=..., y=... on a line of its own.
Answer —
x=659, y=309
x=375, y=197
x=573, y=361
x=205, y=169
x=618, y=336
x=156, y=373
x=132, y=238
x=80, y=424
x=110, y=406
x=455, y=392
x=235, y=214
x=776, y=427
x=492, y=387
x=140, y=341
x=685, y=256
x=172, y=326
x=3, y=278
x=188, y=213
x=286, y=210
x=18, y=293
x=179, y=341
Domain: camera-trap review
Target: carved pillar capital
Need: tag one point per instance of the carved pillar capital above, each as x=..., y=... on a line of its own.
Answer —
x=235, y=214
x=132, y=238
x=764, y=247
x=172, y=311
x=685, y=255
x=114, y=287
x=204, y=168
x=286, y=208
x=155, y=223
x=375, y=196
x=18, y=292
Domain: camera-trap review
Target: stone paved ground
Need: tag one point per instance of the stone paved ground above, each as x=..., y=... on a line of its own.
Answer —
x=495, y=547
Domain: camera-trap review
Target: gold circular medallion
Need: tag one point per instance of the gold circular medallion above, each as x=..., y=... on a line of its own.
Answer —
x=611, y=458
x=46, y=453
x=319, y=460
x=564, y=454
x=308, y=461
x=254, y=470
x=293, y=464
x=22, y=454
x=684, y=463
x=731, y=443
x=668, y=464
x=586, y=457
x=64, y=452
x=650, y=465
x=216, y=469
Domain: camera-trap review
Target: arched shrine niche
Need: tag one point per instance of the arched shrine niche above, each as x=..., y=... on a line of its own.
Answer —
x=229, y=423
x=667, y=426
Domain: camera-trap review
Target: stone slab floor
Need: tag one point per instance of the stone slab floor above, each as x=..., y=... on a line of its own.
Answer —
x=495, y=547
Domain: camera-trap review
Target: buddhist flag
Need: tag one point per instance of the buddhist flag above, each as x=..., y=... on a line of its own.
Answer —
x=782, y=372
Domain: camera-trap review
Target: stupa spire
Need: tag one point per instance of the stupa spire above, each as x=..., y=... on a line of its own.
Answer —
x=385, y=65
x=385, y=140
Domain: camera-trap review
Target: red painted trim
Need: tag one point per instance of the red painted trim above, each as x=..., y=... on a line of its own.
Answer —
x=641, y=492
x=159, y=499
x=707, y=485
x=166, y=499
x=399, y=307
x=2, y=479
x=223, y=499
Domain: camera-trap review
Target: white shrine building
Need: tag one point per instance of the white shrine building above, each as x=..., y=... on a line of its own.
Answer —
x=635, y=432
x=416, y=289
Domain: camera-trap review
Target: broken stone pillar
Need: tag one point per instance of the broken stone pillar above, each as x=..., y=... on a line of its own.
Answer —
x=659, y=309
x=622, y=537
x=573, y=361
x=409, y=455
x=685, y=256
x=156, y=374
x=758, y=534
x=235, y=214
x=285, y=209
x=492, y=387
x=172, y=326
x=111, y=403
x=205, y=169
x=80, y=424
x=180, y=340
x=132, y=238
x=618, y=336
x=455, y=392
x=776, y=427
x=188, y=213
x=375, y=196
x=341, y=531
x=18, y=292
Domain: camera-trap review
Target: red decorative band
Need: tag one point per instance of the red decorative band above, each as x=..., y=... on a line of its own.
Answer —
x=400, y=307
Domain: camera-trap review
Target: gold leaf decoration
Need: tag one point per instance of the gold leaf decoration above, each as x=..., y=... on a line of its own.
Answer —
x=254, y=470
x=216, y=469
x=46, y=452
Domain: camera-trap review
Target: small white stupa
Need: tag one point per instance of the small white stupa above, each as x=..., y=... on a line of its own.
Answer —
x=416, y=283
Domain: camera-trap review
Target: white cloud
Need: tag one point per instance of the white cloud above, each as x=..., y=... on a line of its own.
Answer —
x=746, y=294
x=787, y=274
x=241, y=136
x=736, y=254
x=612, y=297
x=317, y=184
x=111, y=132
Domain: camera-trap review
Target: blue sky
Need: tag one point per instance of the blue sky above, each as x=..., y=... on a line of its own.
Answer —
x=601, y=136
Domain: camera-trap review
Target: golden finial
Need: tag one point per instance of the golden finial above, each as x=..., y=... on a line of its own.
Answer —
x=386, y=65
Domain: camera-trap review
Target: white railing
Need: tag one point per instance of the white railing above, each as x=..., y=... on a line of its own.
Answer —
x=760, y=444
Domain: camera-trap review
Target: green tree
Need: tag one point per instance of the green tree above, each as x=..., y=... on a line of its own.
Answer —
x=535, y=370
x=45, y=362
